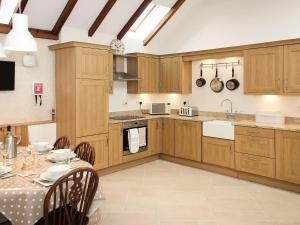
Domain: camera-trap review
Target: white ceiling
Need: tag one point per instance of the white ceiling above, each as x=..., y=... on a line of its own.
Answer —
x=43, y=14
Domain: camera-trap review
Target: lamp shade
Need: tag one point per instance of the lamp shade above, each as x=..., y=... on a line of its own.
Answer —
x=19, y=38
x=2, y=53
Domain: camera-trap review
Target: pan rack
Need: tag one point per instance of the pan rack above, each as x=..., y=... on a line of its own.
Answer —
x=221, y=64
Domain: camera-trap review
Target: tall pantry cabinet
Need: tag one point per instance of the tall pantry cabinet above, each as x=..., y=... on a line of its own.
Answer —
x=82, y=89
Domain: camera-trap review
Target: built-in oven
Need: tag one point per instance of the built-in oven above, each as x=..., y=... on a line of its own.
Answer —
x=143, y=124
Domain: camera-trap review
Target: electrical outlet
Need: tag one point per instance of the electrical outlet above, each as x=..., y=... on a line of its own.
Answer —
x=186, y=102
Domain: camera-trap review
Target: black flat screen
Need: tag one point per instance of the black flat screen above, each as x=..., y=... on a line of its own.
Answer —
x=7, y=76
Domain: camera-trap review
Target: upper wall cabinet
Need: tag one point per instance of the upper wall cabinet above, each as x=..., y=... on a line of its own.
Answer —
x=175, y=75
x=292, y=69
x=146, y=68
x=272, y=70
x=92, y=63
x=263, y=69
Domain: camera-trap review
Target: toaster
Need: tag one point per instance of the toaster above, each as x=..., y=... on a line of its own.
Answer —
x=160, y=108
x=188, y=111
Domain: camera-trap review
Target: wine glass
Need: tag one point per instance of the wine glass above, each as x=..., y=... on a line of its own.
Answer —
x=4, y=153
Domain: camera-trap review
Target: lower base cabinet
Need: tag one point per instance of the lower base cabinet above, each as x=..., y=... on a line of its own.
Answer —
x=258, y=165
x=115, y=144
x=218, y=152
x=100, y=143
x=168, y=147
x=188, y=140
x=154, y=136
x=288, y=156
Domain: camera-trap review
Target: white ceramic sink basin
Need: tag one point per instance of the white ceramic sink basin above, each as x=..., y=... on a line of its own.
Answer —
x=218, y=129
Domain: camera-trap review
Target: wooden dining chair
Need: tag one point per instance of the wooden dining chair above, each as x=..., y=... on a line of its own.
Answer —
x=62, y=142
x=85, y=151
x=69, y=199
x=4, y=220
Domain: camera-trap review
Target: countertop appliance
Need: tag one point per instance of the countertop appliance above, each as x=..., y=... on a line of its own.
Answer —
x=188, y=111
x=160, y=108
x=131, y=125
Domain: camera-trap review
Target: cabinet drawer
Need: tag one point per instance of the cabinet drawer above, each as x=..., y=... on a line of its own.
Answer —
x=259, y=146
x=255, y=164
x=256, y=132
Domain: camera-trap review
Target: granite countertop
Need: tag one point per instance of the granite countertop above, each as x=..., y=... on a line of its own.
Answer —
x=246, y=123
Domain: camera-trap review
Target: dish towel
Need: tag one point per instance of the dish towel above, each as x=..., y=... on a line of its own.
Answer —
x=133, y=140
x=142, y=136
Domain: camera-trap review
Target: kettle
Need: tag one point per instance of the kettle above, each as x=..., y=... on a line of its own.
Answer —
x=10, y=143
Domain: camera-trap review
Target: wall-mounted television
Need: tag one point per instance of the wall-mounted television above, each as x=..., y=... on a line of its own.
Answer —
x=7, y=76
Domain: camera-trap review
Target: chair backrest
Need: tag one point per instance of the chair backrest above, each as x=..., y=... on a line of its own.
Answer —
x=85, y=152
x=69, y=199
x=62, y=142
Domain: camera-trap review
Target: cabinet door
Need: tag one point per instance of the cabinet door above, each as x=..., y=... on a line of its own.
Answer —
x=168, y=140
x=292, y=69
x=155, y=136
x=188, y=140
x=143, y=74
x=115, y=144
x=92, y=63
x=263, y=70
x=288, y=156
x=176, y=74
x=100, y=143
x=164, y=75
x=153, y=74
x=110, y=73
x=218, y=152
x=91, y=107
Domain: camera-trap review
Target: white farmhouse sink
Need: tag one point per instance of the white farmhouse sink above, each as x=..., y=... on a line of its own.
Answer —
x=218, y=129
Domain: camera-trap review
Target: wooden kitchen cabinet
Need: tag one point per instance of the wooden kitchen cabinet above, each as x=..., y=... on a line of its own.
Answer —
x=91, y=107
x=292, y=69
x=218, y=152
x=146, y=68
x=82, y=84
x=168, y=134
x=100, y=143
x=263, y=70
x=175, y=75
x=255, y=141
x=115, y=154
x=92, y=63
x=154, y=136
x=188, y=140
x=288, y=156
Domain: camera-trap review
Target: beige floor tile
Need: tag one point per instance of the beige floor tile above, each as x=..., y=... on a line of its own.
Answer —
x=164, y=193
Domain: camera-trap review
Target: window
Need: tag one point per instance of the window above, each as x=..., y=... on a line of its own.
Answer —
x=6, y=10
x=147, y=21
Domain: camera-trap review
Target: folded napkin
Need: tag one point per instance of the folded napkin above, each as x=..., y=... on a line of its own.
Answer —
x=142, y=137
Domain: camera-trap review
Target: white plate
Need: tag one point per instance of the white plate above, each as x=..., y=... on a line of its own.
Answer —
x=49, y=148
x=5, y=170
x=53, y=159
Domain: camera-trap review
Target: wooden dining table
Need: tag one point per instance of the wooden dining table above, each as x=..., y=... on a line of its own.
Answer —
x=22, y=199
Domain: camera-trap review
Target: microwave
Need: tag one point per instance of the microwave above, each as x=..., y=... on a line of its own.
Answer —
x=160, y=108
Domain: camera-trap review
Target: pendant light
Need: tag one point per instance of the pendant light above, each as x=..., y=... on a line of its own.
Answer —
x=19, y=38
x=2, y=52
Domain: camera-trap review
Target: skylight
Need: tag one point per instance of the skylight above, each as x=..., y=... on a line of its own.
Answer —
x=147, y=21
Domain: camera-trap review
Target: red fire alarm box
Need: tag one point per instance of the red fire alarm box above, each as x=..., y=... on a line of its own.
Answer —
x=38, y=88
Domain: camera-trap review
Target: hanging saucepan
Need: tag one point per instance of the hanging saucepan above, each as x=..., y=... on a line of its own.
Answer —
x=200, y=82
x=217, y=85
x=233, y=83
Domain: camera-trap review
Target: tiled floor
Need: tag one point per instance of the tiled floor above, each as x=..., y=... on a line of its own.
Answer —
x=163, y=193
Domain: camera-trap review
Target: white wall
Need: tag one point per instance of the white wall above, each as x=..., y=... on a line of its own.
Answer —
x=19, y=105
x=207, y=24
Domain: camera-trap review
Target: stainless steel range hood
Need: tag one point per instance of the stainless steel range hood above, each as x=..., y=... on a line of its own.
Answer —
x=120, y=69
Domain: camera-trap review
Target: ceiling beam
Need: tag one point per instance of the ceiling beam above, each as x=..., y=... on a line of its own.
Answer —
x=23, y=6
x=45, y=34
x=133, y=18
x=166, y=18
x=108, y=6
x=64, y=16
